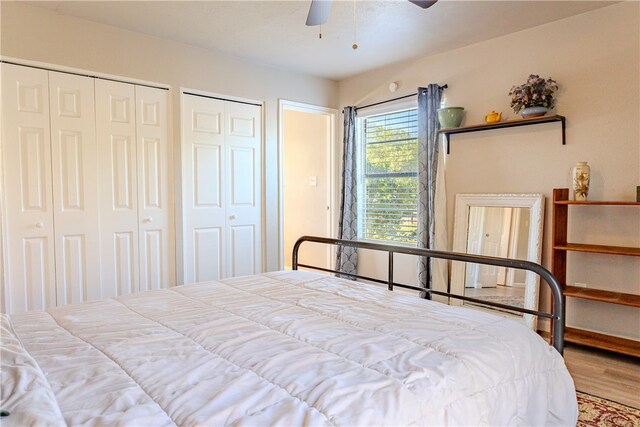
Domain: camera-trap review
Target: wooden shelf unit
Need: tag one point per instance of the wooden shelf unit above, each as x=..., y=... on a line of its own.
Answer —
x=506, y=124
x=602, y=341
x=560, y=248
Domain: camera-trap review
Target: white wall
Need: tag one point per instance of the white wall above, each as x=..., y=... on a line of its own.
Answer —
x=595, y=57
x=37, y=34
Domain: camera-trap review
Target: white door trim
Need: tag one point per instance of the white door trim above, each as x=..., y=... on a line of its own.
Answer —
x=332, y=114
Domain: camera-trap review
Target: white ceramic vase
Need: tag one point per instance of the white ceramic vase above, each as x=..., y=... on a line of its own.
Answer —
x=581, y=175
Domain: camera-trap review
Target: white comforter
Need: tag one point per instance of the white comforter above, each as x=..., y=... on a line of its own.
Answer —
x=286, y=348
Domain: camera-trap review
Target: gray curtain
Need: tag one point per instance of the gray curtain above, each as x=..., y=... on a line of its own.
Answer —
x=347, y=257
x=428, y=104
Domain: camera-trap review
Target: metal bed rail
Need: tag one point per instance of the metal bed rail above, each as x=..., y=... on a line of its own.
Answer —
x=557, y=314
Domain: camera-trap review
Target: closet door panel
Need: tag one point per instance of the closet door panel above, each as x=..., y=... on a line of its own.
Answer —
x=242, y=247
x=29, y=257
x=207, y=177
x=125, y=264
x=204, y=179
x=75, y=187
x=155, y=221
x=35, y=291
x=244, y=219
x=209, y=249
x=118, y=183
x=242, y=179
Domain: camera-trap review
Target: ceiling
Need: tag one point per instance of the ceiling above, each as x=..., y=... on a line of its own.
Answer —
x=274, y=32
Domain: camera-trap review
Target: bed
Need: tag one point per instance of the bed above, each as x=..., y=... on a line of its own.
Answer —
x=281, y=348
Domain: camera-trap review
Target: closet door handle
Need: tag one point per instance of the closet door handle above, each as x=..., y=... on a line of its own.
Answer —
x=147, y=219
x=39, y=224
x=232, y=217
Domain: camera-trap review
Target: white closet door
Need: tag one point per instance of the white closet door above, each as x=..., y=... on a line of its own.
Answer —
x=117, y=176
x=243, y=141
x=75, y=187
x=29, y=258
x=155, y=238
x=203, y=189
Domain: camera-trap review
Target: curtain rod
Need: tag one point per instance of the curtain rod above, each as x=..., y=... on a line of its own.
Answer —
x=394, y=99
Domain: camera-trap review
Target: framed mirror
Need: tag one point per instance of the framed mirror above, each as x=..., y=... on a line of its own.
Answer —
x=501, y=225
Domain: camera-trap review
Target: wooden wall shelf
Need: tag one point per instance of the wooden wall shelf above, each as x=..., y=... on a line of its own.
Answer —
x=632, y=300
x=506, y=124
x=596, y=202
x=598, y=249
x=560, y=247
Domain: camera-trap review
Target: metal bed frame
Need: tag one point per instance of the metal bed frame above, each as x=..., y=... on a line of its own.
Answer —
x=557, y=314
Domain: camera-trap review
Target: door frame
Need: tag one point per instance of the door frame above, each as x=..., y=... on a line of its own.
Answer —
x=331, y=113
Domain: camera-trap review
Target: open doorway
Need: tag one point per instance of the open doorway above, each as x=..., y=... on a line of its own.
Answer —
x=307, y=182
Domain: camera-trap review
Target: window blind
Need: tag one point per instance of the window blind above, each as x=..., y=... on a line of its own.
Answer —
x=390, y=146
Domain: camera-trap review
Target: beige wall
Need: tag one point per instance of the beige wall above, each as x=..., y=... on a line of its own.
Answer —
x=595, y=57
x=37, y=34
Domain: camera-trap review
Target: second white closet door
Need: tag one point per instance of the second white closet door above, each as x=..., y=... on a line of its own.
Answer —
x=203, y=157
x=135, y=223
x=116, y=136
x=243, y=139
x=155, y=237
x=75, y=187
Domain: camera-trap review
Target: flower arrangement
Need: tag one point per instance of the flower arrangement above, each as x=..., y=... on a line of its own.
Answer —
x=535, y=92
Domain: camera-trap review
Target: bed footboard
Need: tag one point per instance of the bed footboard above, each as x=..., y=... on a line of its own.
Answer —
x=557, y=314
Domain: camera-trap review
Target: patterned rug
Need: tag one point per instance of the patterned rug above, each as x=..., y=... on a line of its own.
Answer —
x=595, y=411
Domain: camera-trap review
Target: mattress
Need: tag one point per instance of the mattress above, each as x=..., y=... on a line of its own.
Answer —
x=283, y=348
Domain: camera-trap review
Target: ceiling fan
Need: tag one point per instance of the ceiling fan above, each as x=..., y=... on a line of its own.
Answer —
x=319, y=10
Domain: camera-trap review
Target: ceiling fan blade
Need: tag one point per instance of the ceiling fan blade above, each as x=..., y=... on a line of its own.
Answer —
x=318, y=12
x=424, y=3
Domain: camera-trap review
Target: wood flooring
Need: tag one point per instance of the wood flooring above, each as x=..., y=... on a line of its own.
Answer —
x=604, y=374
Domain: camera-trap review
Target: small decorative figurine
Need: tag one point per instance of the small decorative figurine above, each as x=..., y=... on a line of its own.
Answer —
x=493, y=117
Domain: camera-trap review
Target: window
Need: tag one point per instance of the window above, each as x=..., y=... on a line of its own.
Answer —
x=389, y=180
